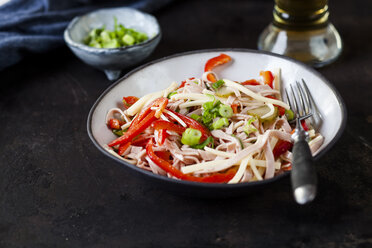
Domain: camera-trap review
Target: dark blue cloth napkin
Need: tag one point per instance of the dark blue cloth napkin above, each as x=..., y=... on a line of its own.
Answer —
x=36, y=26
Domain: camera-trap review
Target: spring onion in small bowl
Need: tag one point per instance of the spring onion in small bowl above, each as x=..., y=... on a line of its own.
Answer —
x=119, y=37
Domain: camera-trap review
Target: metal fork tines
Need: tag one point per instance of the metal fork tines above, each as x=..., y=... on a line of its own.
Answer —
x=303, y=176
x=306, y=104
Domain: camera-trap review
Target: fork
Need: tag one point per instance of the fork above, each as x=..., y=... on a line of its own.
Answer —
x=303, y=175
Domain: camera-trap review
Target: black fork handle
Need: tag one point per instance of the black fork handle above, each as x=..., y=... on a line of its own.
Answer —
x=303, y=175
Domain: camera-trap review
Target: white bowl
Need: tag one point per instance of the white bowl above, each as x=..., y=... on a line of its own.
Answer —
x=246, y=64
x=112, y=60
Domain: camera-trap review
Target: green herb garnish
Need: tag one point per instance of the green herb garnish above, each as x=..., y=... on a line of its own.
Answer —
x=218, y=84
x=206, y=142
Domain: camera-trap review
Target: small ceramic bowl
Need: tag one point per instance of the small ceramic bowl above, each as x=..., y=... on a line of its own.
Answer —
x=112, y=60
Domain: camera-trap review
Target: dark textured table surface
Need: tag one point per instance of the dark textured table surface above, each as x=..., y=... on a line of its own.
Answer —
x=58, y=190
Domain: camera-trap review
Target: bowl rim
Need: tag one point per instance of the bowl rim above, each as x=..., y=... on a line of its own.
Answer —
x=82, y=46
x=216, y=185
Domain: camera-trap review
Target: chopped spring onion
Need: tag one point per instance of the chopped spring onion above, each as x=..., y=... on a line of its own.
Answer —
x=118, y=132
x=239, y=140
x=207, y=117
x=171, y=94
x=225, y=111
x=191, y=137
x=249, y=128
x=196, y=117
x=210, y=112
x=120, y=37
x=289, y=114
x=128, y=40
x=218, y=84
x=211, y=105
x=206, y=142
x=220, y=123
x=208, y=106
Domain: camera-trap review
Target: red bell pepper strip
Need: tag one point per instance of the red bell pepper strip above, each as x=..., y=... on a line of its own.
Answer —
x=216, y=61
x=281, y=110
x=123, y=147
x=143, y=120
x=133, y=131
x=129, y=101
x=304, y=125
x=184, y=82
x=287, y=167
x=160, y=102
x=166, y=166
x=281, y=147
x=234, y=108
x=218, y=177
x=162, y=136
x=161, y=162
x=250, y=82
x=140, y=141
x=140, y=116
x=193, y=124
x=268, y=77
x=166, y=155
x=161, y=125
x=143, y=138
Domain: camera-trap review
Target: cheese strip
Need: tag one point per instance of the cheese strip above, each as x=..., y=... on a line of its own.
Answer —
x=239, y=174
x=190, y=96
x=197, y=97
x=320, y=137
x=256, y=172
x=254, y=95
x=192, y=103
x=137, y=106
x=164, y=118
x=255, y=162
x=202, y=166
x=277, y=79
x=311, y=133
x=205, y=91
x=273, y=142
x=170, y=89
x=126, y=125
x=146, y=99
x=220, y=165
x=175, y=117
x=216, y=167
x=219, y=153
x=262, y=163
